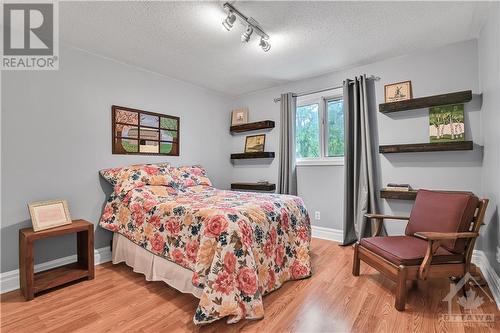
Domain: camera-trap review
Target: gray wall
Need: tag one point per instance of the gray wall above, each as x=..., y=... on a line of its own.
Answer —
x=489, y=81
x=315, y=185
x=450, y=68
x=56, y=135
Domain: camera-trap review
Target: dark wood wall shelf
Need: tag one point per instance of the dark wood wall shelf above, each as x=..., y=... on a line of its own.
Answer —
x=259, y=125
x=426, y=147
x=401, y=195
x=425, y=102
x=242, y=156
x=253, y=186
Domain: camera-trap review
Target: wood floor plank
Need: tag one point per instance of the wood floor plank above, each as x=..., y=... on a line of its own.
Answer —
x=332, y=300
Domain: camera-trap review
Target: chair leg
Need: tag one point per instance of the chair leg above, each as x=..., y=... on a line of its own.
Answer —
x=355, y=262
x=401, y=289
x=414, y=284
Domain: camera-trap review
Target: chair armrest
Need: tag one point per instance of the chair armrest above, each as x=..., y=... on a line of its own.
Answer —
x=433, y=242
x=444, y=235
x=432, y=246
x=382, y=216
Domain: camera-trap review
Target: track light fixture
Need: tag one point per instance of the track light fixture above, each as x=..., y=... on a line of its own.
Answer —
x=245, y=36
x=252, y=26
x=229, y=21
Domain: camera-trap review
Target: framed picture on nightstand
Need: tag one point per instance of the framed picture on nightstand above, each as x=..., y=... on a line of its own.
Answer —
x=49, y=214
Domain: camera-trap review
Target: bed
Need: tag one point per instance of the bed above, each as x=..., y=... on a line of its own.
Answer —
x=234, y=246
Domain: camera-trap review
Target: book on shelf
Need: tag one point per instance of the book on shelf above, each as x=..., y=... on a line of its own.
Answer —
x=398, y=187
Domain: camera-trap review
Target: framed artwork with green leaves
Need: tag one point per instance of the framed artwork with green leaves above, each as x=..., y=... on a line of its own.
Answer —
x=144, y=133
x=446, y=123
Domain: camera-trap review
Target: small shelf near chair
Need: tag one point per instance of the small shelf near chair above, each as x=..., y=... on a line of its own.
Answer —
x=255, y=126
x=400, y=195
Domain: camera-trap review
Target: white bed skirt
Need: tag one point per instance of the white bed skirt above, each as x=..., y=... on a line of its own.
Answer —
x=153, y=267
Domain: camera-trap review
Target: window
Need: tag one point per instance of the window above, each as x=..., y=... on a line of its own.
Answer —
x=141, y=132
x=320, y=130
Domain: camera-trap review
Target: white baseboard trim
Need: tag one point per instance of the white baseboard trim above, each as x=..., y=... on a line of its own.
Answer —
x=10, y=280
x=327, y=233
x=491, y=277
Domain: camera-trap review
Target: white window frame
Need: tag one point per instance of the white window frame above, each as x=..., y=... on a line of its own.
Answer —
x=321, y=100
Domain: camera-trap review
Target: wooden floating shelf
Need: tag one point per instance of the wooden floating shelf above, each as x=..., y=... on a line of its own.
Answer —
x=425, y=102
x=426, y=147
x=259, y=125
x=253, y=186
x=242, y=156
x=401, y=195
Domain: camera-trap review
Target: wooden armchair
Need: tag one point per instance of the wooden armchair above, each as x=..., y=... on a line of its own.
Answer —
x=438, y=241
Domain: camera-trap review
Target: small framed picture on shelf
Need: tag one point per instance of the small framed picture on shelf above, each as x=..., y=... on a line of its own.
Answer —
x=239, y=116
x=399, y=91
x=49, y=214
x=255, y=143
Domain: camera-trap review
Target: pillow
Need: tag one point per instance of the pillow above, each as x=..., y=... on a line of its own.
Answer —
x=187, y=176
x=148, y=174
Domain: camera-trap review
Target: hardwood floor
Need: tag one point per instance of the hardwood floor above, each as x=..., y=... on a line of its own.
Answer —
x=332, y=300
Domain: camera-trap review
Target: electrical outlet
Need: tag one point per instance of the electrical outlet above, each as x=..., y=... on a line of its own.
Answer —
x=317, y=215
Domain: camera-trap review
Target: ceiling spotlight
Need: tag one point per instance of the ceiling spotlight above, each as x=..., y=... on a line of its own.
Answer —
x=229, y=21
x=245, y=37
x=265, y=45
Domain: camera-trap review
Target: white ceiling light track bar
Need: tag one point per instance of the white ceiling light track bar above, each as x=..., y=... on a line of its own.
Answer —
x=252, y=26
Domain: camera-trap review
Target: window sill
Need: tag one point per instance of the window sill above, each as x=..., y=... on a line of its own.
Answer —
x=320, y=162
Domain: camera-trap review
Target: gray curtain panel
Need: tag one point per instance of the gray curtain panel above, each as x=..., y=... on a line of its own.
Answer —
x=287, y=182
x=360, y=169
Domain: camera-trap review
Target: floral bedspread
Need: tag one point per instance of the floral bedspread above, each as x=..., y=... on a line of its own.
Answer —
x=239, y=245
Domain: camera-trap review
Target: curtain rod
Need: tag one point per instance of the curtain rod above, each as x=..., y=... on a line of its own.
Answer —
x=371, y=77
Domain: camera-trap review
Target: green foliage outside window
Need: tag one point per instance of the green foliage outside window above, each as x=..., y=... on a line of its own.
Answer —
x=335, y=114
x=308, y=130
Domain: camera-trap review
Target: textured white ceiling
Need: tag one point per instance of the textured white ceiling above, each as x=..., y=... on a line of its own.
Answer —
x=186, y=40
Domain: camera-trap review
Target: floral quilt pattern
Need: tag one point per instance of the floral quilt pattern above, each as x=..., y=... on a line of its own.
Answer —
x=239, y=245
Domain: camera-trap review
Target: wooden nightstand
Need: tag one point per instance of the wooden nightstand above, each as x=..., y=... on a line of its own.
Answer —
x=31, y=282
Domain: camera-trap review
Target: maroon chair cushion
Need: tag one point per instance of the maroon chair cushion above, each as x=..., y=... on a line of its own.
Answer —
x=441, y=211
x=406, y=250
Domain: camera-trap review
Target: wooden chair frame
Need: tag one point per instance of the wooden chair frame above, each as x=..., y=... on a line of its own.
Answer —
x=400, y=274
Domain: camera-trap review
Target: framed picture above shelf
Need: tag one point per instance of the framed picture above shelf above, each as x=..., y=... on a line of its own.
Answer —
x=426, y=102
x=262, y=154
x=425, y=147
x=259, y=125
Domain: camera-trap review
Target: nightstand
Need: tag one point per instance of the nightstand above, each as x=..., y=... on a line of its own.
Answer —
x=31, y=282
